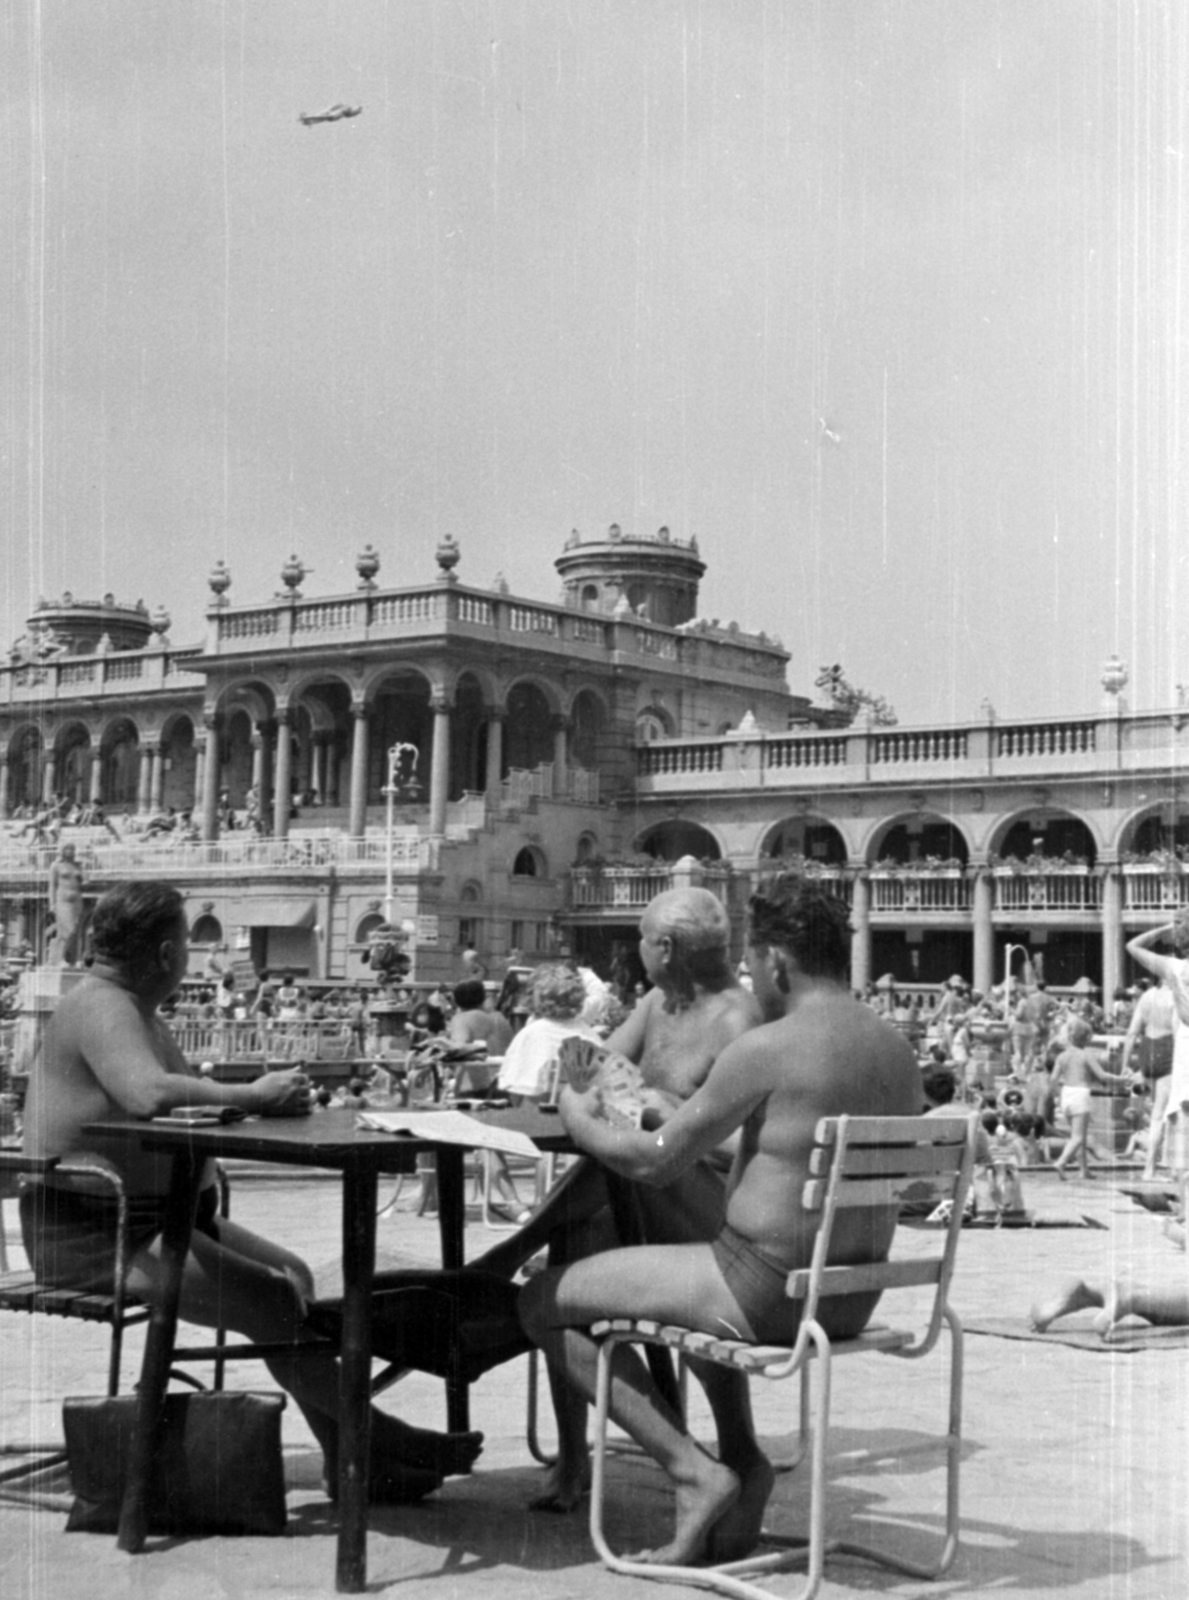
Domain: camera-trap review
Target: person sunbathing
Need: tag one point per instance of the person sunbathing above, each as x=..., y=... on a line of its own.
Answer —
x=1166, y=1307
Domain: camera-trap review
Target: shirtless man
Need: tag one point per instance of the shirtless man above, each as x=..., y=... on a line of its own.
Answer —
x=66, y=900
x=109, y=1055
x=674, y=1034
x=822, y=1053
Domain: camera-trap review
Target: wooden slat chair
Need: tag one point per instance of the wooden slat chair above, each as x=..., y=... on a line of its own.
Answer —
x=114, y=1308
x=857, y=1161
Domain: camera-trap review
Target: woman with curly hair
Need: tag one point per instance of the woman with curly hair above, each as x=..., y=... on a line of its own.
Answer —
x=556, y=996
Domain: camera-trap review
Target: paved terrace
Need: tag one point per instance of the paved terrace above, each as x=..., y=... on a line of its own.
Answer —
x=1073, y=1487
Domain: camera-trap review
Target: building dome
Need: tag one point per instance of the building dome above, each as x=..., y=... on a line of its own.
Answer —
x=657, y=575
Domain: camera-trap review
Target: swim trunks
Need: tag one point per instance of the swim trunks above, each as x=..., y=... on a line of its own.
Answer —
x=70, y=1237
x=1155, y=1056
x=1075, y=1100
x=757, y=1283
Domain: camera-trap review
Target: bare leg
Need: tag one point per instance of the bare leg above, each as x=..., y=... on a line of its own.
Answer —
x=1079, y=1123
x=1157, y=1127
x=678, y=1283
x=260, y=1290
x=578, y=1194
x=1075, y=1294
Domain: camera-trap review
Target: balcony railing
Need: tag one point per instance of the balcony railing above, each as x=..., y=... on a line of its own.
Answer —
x=1155, y=889
x=920, y=893
x=1076, y=889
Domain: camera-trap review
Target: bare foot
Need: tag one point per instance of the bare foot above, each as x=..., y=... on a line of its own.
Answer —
x=1059, y=1170
x=702, y=1500
x=446, y=1454
x=564, y=1487
x=390, y=1483
x=737, y=1532
x=1073, y=1295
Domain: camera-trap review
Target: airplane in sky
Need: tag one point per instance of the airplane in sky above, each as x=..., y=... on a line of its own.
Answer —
x=334, y=113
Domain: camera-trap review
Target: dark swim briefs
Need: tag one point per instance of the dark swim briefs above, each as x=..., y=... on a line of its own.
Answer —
x=758, y=1282
x=70, y=1236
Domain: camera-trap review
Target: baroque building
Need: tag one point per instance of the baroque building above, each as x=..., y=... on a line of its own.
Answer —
x=523, y=776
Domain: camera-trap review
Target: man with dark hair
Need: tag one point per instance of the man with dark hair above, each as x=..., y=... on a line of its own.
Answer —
x=109, y=1055
x=820, y=1054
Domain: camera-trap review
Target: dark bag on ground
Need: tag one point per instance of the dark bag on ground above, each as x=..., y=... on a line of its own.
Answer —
x=217, y=1468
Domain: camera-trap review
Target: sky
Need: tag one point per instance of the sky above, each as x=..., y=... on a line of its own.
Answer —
x=883, y=301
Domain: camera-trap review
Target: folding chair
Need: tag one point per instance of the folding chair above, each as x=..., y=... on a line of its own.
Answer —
x=857, y=1161
x=113, y=1308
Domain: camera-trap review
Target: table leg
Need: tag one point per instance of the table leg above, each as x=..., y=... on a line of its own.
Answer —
x=185, y=1179
x=451, y=1226
x=355, y=1361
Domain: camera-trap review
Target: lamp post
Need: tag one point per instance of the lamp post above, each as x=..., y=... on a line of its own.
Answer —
x=395, y=786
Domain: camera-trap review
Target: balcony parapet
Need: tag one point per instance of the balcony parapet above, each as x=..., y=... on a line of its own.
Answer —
x=444, y=609
x=88, y=677
x=977, y=752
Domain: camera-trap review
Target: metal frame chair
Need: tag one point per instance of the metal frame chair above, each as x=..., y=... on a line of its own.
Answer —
x=860, y=1162
x=20, y=1291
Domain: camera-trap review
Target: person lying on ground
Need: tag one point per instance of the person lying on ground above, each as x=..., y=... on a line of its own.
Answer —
x=823, y=1053
x=1166, y=1307
x=109, y=1055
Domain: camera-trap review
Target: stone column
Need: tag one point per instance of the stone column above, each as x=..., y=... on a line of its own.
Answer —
x=210, y=777
x=4, y=787
x=96, y=775
x=860, y=943
x=984, y=933
x=258, y=763
x=495, y=751
x=330, y=783
x=283, y=784
x=49, y=777
x=1112, y=935
x=318, y=769
x=358, y=816
x=439, y=772
x=560, y=727
x=156, y=777
x=144, y=776
x=199, y=776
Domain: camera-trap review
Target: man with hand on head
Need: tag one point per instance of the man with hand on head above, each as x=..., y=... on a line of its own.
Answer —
x=108, y=1056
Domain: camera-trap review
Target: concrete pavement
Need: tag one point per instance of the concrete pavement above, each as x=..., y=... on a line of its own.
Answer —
x=1074, y=1477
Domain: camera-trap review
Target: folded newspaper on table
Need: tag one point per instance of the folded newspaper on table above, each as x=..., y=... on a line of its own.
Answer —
x=582, y=1063
x=449, y=1127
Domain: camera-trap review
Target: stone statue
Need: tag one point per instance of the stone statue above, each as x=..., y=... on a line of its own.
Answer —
x=66, y=902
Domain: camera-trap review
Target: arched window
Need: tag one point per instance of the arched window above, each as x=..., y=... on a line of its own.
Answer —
x=590, y=597
x=367, y=926
x=207, y=930
x=529, y=863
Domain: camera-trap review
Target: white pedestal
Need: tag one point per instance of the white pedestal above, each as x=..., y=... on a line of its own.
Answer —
x=38, y=993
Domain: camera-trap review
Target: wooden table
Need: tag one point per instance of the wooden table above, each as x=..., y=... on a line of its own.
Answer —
x=326, y=1139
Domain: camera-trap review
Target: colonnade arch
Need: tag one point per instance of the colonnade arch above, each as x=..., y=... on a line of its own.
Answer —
x=23, y=768
x=811, y=837
x=671, y=840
